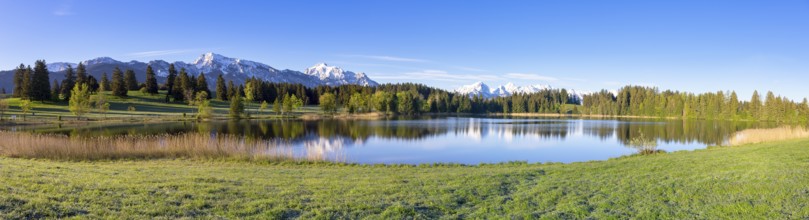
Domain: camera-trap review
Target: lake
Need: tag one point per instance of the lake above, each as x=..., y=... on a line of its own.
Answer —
x=466, y=140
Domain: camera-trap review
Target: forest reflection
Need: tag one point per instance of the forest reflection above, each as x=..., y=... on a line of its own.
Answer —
x=349, y=132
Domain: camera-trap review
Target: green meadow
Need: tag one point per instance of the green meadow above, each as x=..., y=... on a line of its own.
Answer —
x=756, y=181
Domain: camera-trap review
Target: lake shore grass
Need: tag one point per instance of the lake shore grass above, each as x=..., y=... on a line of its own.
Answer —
x=752, y=181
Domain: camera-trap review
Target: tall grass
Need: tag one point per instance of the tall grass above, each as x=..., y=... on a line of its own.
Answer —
x=753, y=136
x=192, y=145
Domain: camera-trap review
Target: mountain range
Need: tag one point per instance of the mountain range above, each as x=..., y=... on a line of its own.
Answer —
x=481, y=89
x=237, y=70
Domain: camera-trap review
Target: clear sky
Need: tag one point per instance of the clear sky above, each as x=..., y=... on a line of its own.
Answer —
x=689, y=45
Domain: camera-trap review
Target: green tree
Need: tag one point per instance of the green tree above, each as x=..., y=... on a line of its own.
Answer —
x=131, y=83
x=92, y=84
x=236, y=107
x=118, y=85
x=80, y=100
x=328, y=103
x=202, y=85
x=26, y=106
x=291, y=103
x=170, y=82
x=221, y=89
x=232, y=89
x=55, y=91
x=101, y=104
x=40, y=82
x=203, y=105
x=151, y=81
x=182, y=86
x=357, y=103
x=249, y=94
x=264, y=106
x=68, y=83
x=81, y=74
x=105, y=84
x=276, y=105
x=755, y=106
x=27, y=83
x=19, y=82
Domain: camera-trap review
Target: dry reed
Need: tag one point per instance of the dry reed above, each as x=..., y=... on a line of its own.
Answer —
x=193, y=145
x=752, y=136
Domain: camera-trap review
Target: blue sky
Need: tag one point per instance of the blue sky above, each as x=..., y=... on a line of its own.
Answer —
x=694, y=46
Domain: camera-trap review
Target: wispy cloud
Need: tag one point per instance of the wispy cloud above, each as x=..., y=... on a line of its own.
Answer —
x=530, y=76
x=64, y=9
x=389, y=58
x=466, y=68
x=155, y=53
x=437, y=75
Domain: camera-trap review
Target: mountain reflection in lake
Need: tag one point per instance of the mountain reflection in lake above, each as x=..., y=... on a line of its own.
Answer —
x=449, y=140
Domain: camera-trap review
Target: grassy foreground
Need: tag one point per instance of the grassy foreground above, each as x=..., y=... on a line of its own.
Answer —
x=761, y=181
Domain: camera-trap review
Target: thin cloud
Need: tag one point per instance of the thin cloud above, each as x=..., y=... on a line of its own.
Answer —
x=530, y=76
x=64, y=10
x=471, y=69
x=438, y=75
x=155, y=53
x=390, y=58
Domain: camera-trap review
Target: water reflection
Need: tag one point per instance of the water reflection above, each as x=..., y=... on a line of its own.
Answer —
x=451, y=139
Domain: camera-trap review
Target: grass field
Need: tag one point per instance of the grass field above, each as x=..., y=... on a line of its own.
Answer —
x=759, y=181
x=146, y=107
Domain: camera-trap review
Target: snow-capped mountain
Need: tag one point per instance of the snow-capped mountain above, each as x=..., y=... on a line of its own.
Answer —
x=237, y=70
x=481, y=89
x=333, y=75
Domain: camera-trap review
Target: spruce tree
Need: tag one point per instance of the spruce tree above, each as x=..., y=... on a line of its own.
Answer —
x=55, y=91
x=92, y=84
x=26, y=83
x=68, y=83
x=221, y=89
x=19, y=83
x=755, y=106
x=130, y=81
x=202, y=85
x=170, y=81
x=40, y=82
x=105, y=83
x=181, y=84
x=236, y=107
x=231, y=89
x=151, y=81
x=118, y=86
x=81, y=74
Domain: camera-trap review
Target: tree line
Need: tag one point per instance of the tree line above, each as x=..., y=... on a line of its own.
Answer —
x=646, y=101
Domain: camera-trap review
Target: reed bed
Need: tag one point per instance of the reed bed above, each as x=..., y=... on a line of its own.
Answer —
x=754, y=136
x=192, y=145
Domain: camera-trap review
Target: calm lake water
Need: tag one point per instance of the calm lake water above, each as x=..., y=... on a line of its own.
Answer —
x=449, y=139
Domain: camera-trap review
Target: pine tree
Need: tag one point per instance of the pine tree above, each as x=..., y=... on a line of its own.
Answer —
x=151, y=81
x=170, y=81
x=221, y=89
x=19, y=83
x=755, y=106
x=105, y=83
x=55, y=90
x=40, y=82
x=68, y=83
x=118, y=86
x=27, y=83
x=232, y=89
x=202, y=85
x=130, y=81
x=92, y=84
x=182, y=84
x=81, y=74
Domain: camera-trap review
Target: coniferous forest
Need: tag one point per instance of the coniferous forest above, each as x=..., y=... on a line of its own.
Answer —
x=412, y=99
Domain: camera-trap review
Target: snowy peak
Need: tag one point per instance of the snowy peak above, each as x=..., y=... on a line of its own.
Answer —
x=333, y=75
x=481, y=89
x=100, y=60
x=60, y=66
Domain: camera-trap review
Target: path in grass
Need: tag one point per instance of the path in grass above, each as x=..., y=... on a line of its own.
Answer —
x=763, y=181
